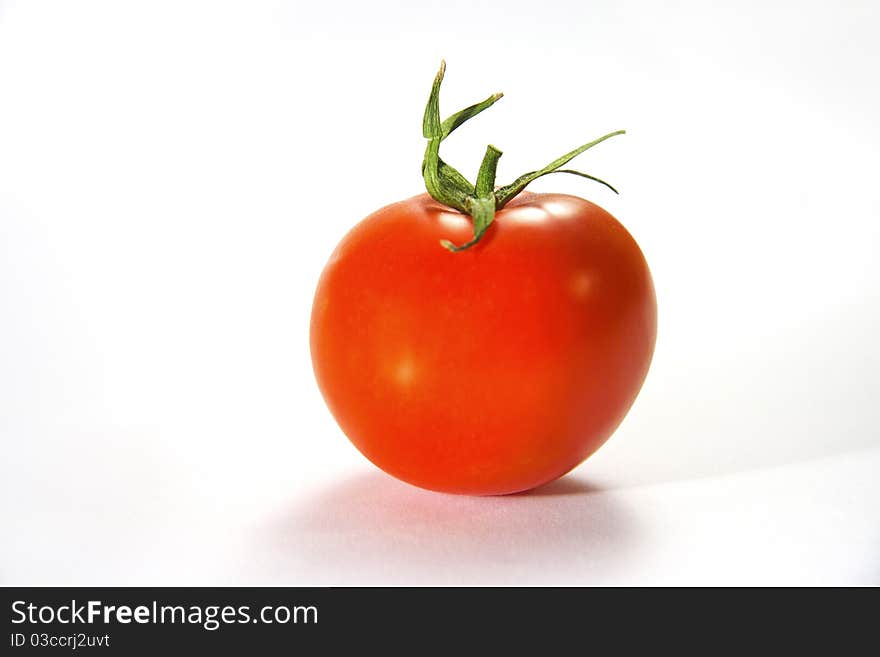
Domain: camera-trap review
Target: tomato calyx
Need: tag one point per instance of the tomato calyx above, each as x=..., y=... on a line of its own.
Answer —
x=481, y=200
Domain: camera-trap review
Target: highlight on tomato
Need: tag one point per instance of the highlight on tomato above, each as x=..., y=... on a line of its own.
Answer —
x=481, y=339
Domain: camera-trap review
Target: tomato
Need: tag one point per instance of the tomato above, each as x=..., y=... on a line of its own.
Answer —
x=492, y=370
x=480, y=339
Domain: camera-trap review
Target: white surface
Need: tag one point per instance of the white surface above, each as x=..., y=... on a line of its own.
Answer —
x=167, y=201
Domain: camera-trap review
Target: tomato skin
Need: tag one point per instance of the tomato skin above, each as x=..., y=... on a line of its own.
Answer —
x=489, y=371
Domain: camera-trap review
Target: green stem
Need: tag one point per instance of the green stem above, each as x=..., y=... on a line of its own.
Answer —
x=466, y=114
x=485, y=186
x=481, y=201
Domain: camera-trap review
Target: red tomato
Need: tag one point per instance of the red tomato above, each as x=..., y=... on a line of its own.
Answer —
x=489, y=371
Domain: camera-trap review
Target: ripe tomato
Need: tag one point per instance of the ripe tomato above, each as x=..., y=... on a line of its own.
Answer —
x=492, y=370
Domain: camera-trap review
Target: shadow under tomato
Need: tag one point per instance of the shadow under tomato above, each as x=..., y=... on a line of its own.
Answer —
x=569, y=485
x=372, y=529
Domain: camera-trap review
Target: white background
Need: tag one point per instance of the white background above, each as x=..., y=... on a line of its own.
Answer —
x=173, y=176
